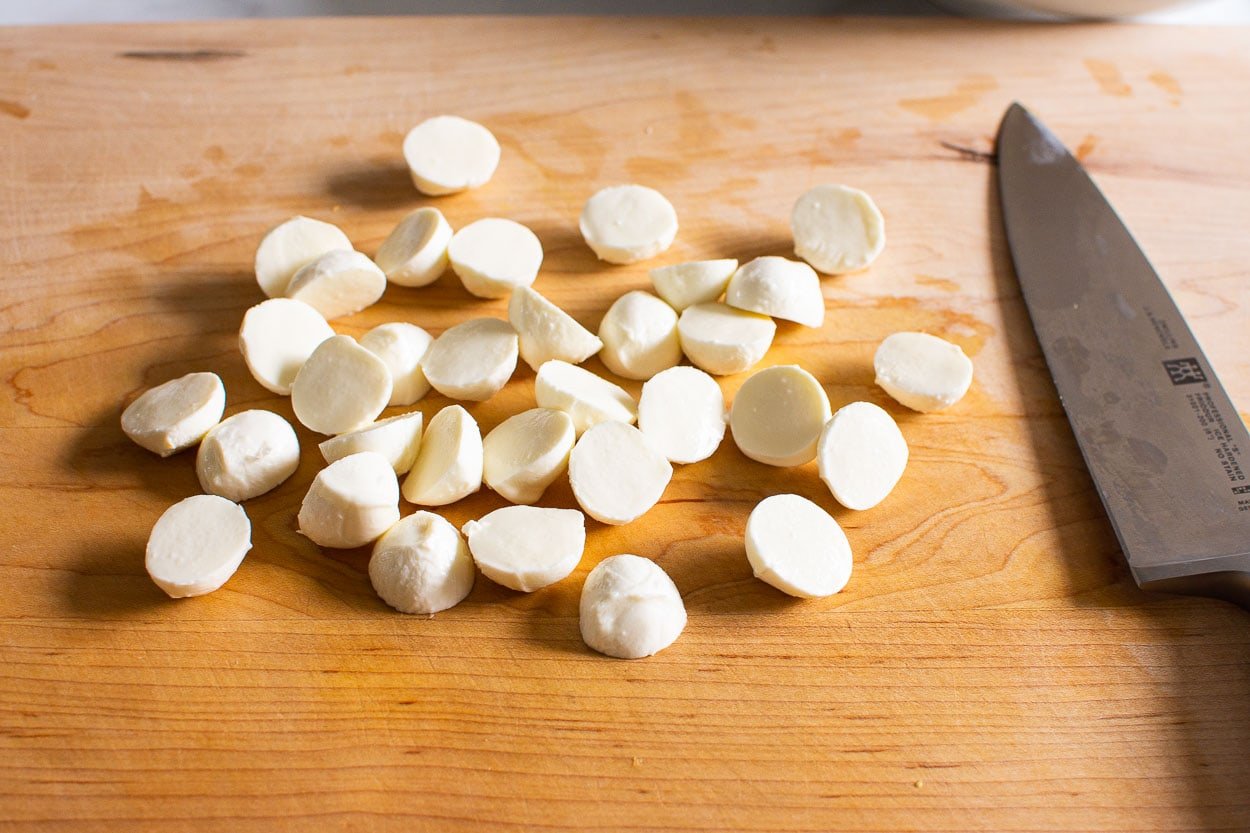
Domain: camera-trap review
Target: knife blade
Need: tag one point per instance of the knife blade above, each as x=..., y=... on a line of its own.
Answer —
x=1167, y=450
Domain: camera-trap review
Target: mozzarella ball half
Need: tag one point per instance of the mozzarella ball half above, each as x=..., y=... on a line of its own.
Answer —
x=628, y=223
x=639, y=333
x=340, y=388
x=401, y=347
x=862, y=455
x=197, y=544
x=696, y=282
x=289, y=246
x=547, y=332
x=247, y=455
x=797, y=547
x=616, y=473
x=778, y=414
x=396, y=438
x=494, y=256
x=922, y=371
x=447, y=154
x=630, y=608
x=525, y=453
x=277, y=337
x=421, y=565
x=449, y=462
x=724, y=340
x=587, y=398
x=351, y=502
x=338, y=283
x=472, y=360
x=837, y=229
x=527, y=547
x=682, y=412
x=778, y=287
x=415, y=252
x=176, y=414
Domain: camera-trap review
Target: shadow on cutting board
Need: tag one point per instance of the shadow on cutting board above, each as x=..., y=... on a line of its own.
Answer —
x=1195, y=660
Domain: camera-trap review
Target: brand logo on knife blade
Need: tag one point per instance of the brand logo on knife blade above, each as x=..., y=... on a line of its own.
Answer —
x=1185, y=371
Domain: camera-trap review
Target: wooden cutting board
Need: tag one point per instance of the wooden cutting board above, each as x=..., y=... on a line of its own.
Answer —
x=990, y=666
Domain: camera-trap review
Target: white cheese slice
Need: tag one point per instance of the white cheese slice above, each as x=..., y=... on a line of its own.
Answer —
x=587, y=398
x=277, y=337
x=448, y=154
x=797, y=547
x=628, y=223
x=862, y=455
x=616, y=473
x=526, y=547
x=197, y=544
x=682, y=412
x=778, y=414
x=472, y=360
x=247, y=455
x=401, y=346
x=630, y=608
x=778, y=287
x=547, y=332
x=724, y=340
x=415, y=252
x=494, y=256
x=525, y=453
x=351, y=502
x=696, y=282
x=639, y=333
x=421, y=565
x=289, y=246
x=340, y=388
x=449, y=461
x=176, y=414
x=837, y=229
x=396, y=438
x=922, y=371
x=338, y=283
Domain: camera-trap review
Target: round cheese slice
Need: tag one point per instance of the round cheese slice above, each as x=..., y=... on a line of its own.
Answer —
x=277, y=337
x=449, y=462
x=351, y=502
x=778, y=287
x=723, y=340
x=696, y=282
x=472, y=360
x=639, y=333
x=861, y=455
x=397, y=439
x=587, y=398
x=797, y=547
x=630, y=608
x=525, y=453
x=494, y=256
x=338, y=283
x=401, y=347
x=922, y=371
x=340, y=388
x=628, y=223
x=421, y=565
x=247, y=455
x=415, y=252
x=778, y=414
x=526, y=547
x=288, y=247
x=837, y=229
x=682, y=412
x=447, y=154
x=547, y=332
x=176, y=414
x=616, y=473
x=197, y=544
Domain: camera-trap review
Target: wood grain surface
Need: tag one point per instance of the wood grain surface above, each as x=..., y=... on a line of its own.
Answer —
x=990, y=667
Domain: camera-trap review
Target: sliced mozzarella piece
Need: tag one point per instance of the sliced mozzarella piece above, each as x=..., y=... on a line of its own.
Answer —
x=922, y=371
x=797, y=547
x=630, y=608
x=778, y=287
x=397, y=439
x=340, y=388
x=247, y=455
x=449, y=462
x=628, y=223
x=472, y=360
x=351, y=502
x=616, y=473
x=724, y=340
x=288, y=247
x=682, y=412
x=338, y=283
x=401, y=347
x=861, y=455
x=421, y=565
x=525, y=547
x=448, y=154
x=176, y=414
x=547, y=332
x=587, y=398
x=277, y=337
x=639, y=333
x=777, y=416
x=837, y=229
x=697, y=282
x=197, y=545
x=415, y=252
x=494, y=256
x=525, y=453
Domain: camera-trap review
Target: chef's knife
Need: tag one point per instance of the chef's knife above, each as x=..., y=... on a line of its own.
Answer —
x=1167, y=450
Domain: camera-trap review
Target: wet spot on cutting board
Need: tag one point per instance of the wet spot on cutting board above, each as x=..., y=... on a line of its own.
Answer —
x=1168, y=84
x=1108, y=78
x=941, y=107
x=1086, y=147
x=14, y=109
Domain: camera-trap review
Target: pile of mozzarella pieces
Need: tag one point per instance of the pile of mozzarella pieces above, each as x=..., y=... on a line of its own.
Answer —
x=583, y=423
